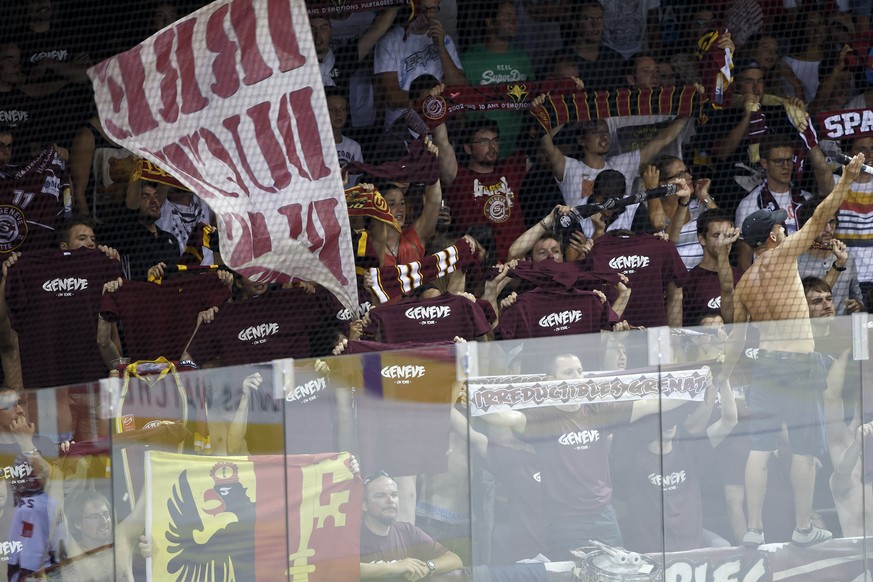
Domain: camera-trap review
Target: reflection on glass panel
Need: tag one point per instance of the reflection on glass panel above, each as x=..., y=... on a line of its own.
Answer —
x=638, y=455
x=330, y=468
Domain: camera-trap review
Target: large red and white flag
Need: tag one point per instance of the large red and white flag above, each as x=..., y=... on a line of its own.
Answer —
x=229, y=100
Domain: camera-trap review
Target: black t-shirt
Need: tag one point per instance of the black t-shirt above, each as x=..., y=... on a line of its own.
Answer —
x=345, y=63
x=604, y=73
x=140, y=248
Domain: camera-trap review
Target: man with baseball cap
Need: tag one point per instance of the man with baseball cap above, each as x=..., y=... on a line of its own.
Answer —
x=789, y=375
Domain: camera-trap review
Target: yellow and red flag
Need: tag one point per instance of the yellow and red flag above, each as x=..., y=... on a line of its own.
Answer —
x=231, y=518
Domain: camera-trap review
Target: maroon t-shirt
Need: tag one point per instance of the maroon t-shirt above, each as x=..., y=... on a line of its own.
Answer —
x=404, y=402
x=649, y=264
x=428, y=320
x=404, y=540
x=158, y=320
x=54, y=299
x=546, y=312
x=310, y=411
x=490, y=199
x=702, y=293
x=277, y=324
x=517, y=472
x=32, y=203
x=662, y=493
x=573, y=452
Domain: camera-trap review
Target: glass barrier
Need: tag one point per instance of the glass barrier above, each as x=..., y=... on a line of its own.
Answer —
x=634, y=456
x=753, y=468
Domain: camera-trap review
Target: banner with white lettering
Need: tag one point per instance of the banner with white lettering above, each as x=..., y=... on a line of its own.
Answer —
x=489, y=394
x=848, y=123
x=838, y=559
x=229, y=100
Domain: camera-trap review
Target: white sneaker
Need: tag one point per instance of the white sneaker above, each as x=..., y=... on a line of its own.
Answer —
x=754, y=538
x=815, y=535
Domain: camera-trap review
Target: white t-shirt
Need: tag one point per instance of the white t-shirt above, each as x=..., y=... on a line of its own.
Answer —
x=409, y=59
x=348, y=150
x=807, y=73
x=579, y=177
x=688, y=246
x=625, y=25
x=750, y=205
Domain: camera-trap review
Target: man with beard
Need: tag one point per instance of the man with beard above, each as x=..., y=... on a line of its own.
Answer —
x=136, y=235
x=485, y=191
x=392, y=550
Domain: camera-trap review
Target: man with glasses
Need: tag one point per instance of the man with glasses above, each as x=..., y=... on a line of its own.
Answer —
x=402, y=55
x=775, y=192
x=485, y=191
x=396, y=550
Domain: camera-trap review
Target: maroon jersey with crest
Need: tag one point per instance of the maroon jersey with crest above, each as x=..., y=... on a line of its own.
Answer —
x=54, y=298
x=277, y=324
x=491, y=199
x=649, y=264
x=34, y=199
x=158, y=320
x=428, y=320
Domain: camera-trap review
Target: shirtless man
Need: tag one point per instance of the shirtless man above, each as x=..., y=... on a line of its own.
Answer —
x=771, y=290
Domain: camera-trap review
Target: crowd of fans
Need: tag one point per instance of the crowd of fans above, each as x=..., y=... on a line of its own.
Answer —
x=487, y=226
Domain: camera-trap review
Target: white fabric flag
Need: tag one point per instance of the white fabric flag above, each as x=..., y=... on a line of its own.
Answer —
x=229, y=100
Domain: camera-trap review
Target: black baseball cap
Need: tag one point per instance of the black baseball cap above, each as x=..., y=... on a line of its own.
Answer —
x=758, y=225
x=743, y=65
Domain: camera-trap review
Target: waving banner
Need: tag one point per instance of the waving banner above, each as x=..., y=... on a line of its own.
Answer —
x=497, y=393
x=253, y=518
x=229, y=100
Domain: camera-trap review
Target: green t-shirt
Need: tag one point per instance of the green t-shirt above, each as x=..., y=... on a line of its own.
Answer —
x=486, y=68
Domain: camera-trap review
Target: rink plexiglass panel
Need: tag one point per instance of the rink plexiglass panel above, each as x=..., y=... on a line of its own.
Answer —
x=619, y=456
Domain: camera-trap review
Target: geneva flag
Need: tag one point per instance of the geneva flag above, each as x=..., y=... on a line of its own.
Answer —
x=226, y=518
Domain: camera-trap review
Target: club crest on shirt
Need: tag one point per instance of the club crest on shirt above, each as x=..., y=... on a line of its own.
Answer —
x=714, y=303
x=13, y=228
x=629, y=264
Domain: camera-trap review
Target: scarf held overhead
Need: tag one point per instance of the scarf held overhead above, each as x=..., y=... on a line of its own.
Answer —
x=564, y=103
